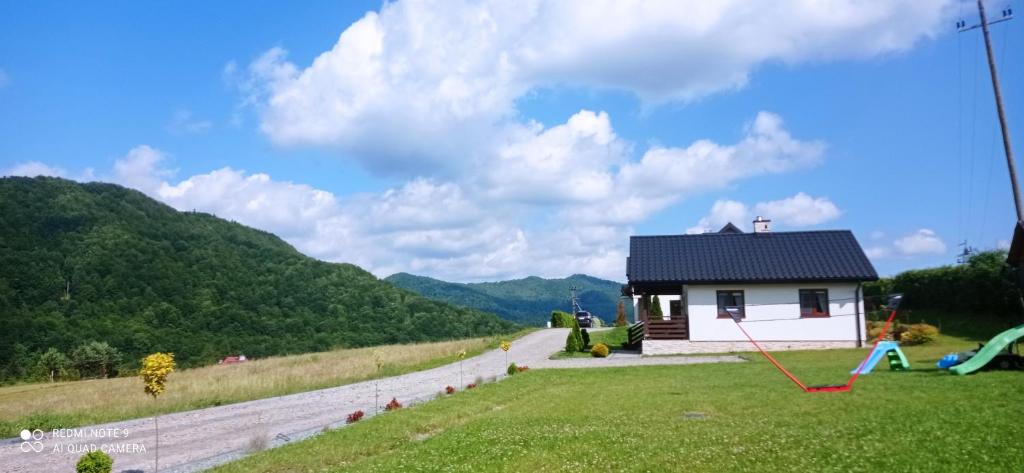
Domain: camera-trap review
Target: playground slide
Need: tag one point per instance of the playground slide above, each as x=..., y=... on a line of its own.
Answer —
x=882, y=351
x=989, y=351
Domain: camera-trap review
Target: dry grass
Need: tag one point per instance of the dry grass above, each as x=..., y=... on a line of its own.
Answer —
x=50, y=405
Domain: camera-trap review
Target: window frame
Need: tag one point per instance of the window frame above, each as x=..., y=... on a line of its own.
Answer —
x=811, y=314
x=724, y=314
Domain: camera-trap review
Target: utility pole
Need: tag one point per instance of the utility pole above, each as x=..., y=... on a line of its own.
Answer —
x=1010, y=163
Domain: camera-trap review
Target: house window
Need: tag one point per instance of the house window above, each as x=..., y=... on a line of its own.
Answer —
x=675, y=309
x=814, y=303
x=730, y=300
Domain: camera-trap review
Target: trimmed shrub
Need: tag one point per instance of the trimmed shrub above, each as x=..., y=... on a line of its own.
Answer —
x=354, y=417
x=620, y=315
x=599, y=351
x=470, y=385
x=449, y=390
x=574, y=341
x=512, y=369
x=561, y=319
x=918, y=334
x=875, y=329
x=656, y=308
x=393, y=405
x=522, y=368
x=586, y=337
x=95, y=462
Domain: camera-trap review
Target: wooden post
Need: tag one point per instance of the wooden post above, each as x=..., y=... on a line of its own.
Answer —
x=1002, y=114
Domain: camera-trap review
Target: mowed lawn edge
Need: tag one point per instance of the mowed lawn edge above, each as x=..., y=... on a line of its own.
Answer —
x=720, y=417
x=77, y=403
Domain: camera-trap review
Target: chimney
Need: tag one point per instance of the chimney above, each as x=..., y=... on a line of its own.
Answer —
x=762, y=225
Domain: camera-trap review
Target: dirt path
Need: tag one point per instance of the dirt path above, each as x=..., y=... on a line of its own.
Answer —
x=199, y=439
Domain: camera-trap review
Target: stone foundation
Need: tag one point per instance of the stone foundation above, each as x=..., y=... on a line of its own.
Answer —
x=687, y=347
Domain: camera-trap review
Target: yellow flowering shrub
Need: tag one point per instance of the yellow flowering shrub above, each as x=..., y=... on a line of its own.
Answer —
x=155, y=369
x=600, y=350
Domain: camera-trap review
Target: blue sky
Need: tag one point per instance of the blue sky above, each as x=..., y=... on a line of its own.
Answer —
x=481, y=142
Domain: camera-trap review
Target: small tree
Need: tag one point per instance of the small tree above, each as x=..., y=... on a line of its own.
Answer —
x=53, y=363
x=572, y=343
x=620, y=315
x=656, y=313
x=154, y=372
x=95, y=359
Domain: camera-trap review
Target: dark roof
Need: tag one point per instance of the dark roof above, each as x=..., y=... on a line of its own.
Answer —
x=730, y=228
x=830, y=255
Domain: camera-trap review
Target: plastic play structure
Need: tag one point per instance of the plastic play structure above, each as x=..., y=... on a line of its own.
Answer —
x=892, y=305
x=889, y=350
x=1000, y=353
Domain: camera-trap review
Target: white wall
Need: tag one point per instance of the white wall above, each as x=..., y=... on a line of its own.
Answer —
x=775, y=301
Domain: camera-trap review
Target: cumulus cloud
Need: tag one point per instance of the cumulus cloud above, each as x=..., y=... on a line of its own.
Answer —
x=878, y=252
x=800, y=210
x=183, y=122
x=400, y=85
x=919, y=243
x=34, y=169
x=420, y=226
x=923, y=241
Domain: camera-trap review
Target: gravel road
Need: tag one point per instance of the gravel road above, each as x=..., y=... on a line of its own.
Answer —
x=199, y=439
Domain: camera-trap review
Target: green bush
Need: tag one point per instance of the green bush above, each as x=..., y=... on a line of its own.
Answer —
x=983, y=285
x=599, y=351
x=561, y=319
x=586, y=337
x=94, y=462
x=512, y=369
x=656, y=308
x=918, y=334
x=573, y=343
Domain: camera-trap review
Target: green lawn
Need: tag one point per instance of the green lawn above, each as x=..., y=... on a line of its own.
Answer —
x=742, y=417
x=614, y=338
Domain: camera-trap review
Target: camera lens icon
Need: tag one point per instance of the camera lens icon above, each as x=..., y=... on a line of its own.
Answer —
x=31, y=440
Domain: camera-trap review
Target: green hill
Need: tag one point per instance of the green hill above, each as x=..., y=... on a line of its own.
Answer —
x=528, y=301
x=82, y=262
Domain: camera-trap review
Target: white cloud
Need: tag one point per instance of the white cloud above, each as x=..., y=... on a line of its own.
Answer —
x=182, y=122
x=877, y=235
x=878, y=252
x=141, y=169
x=4, y=79
x=35, y=168
x=428, y=72
x=923, y=241
x=664, y=175
x=722, y=212
x=800, y=210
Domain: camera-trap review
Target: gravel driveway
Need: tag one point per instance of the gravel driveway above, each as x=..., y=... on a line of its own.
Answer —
x=194, y=440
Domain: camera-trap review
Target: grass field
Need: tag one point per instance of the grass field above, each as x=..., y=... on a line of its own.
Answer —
x=52, y=405
x=727, y=417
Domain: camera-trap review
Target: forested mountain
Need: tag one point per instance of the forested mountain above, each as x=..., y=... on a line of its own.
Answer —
x=529, y=300
x=99, y=262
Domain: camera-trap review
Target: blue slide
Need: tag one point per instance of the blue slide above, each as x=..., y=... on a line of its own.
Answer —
x=892, y=351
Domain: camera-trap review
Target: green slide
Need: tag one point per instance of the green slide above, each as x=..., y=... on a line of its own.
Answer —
x=989, y=351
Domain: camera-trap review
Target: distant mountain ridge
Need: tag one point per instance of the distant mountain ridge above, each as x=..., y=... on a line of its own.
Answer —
x=529, y=300
x=82, y=262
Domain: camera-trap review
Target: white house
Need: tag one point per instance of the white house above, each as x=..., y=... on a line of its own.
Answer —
x=791, y=290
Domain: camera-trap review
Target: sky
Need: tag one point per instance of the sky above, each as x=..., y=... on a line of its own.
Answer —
x=481, y=141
